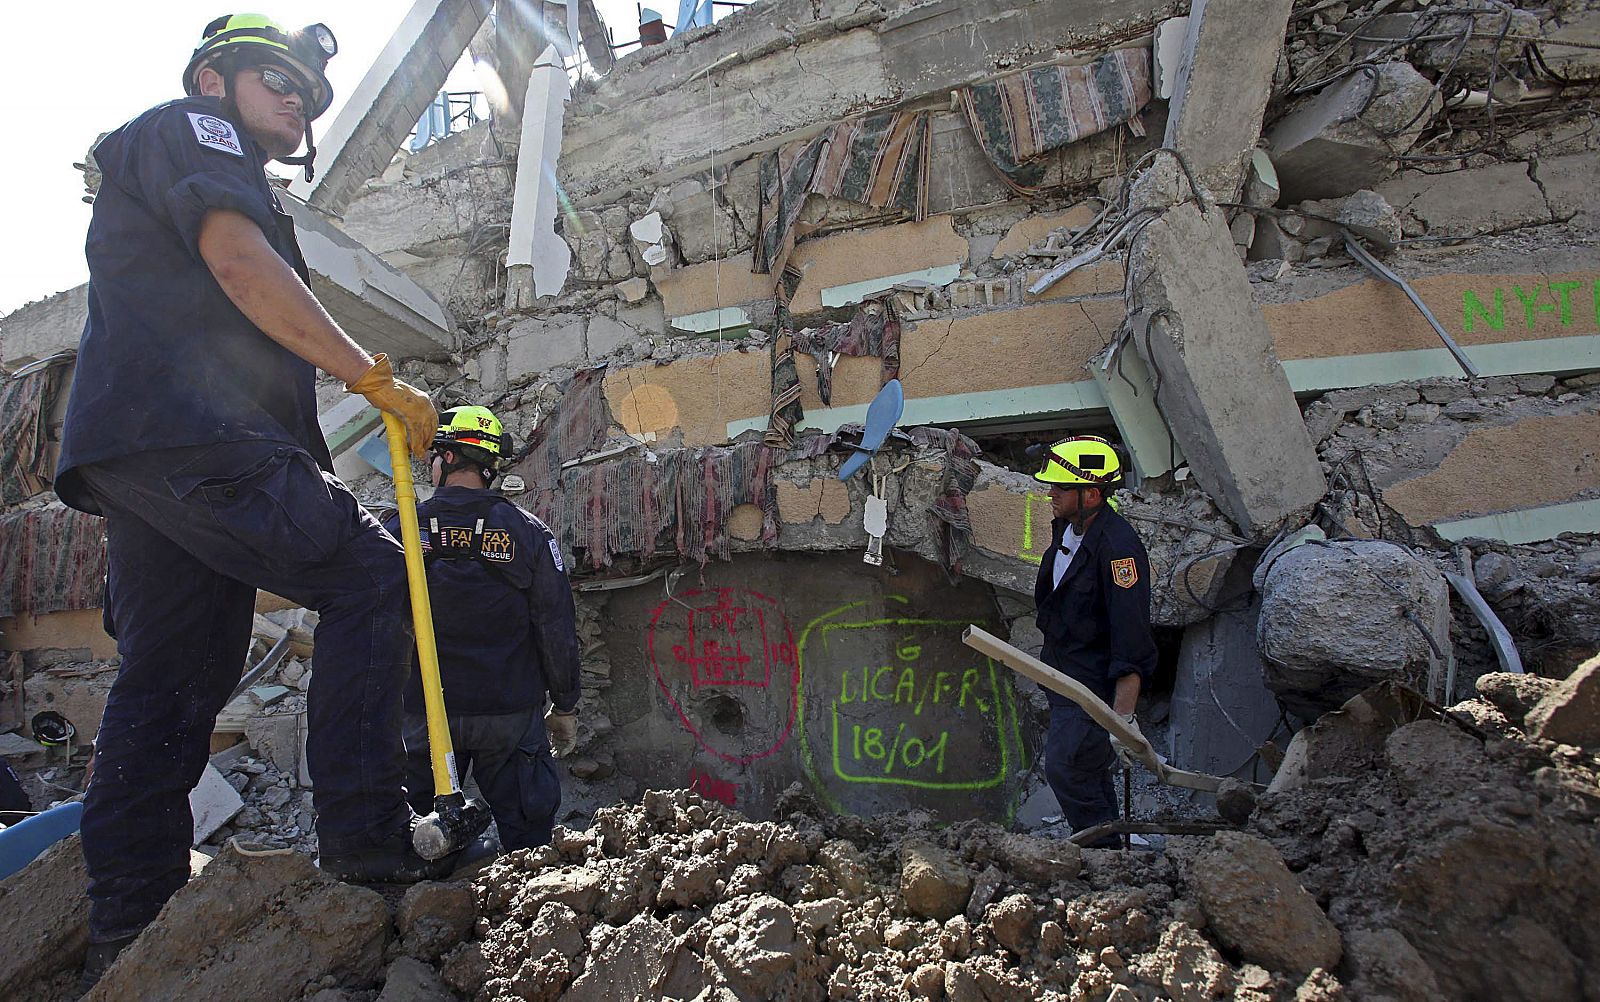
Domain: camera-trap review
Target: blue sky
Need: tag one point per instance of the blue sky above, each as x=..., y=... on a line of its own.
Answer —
x=69, y=73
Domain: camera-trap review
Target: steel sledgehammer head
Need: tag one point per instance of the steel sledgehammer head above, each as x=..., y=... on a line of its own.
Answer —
x=454, y=823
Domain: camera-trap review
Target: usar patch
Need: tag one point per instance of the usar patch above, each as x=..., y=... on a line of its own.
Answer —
x=555, y=554
x=1124, y=573
x=217, y=133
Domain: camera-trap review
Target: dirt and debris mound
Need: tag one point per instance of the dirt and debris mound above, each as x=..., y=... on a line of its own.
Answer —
x=1407, y=856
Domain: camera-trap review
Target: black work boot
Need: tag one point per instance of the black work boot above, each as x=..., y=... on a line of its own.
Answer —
x=98, y=960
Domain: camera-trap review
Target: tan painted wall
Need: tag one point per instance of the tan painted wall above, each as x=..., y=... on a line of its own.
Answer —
x=1537, y=461
x=858, y=255
x=58, y=631
x=1035, y=345
x=1009, y=524
x=1373, y=316
x=1027, y=232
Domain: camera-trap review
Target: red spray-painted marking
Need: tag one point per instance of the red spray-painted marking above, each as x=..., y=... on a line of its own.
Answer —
x=732, y=637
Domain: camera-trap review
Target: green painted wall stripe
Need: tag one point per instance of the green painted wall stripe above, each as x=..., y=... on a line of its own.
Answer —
x=1530, y=525
x=855, y=292
x=708, y=321
x=1506, y=358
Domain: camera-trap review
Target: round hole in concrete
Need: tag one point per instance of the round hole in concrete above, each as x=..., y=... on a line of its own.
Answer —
x=727, y=714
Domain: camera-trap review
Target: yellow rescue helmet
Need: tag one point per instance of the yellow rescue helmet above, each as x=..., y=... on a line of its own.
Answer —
x=256, y=40
x=476, y=432
x=1081, y=461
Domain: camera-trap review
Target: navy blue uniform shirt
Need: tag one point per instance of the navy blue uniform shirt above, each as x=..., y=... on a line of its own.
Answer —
x=1096, y=623
x=503, y=613
x=166, y=359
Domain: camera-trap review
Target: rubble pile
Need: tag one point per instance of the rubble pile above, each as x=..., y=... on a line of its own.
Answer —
x=1389, y=861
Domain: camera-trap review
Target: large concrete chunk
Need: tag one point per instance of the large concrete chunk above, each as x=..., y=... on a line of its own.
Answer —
x=1256, y=907
x=1222, y=87
x=1346, y=136
x=227, y=934
x=380, y=308
x=1338, y=617
x=1571, y=713
x=1223, y=390
x=402, y=82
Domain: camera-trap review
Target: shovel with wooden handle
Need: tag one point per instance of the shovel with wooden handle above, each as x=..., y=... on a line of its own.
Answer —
x=1129, y=734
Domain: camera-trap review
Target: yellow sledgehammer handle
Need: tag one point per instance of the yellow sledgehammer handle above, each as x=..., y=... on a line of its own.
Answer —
x=440, y=751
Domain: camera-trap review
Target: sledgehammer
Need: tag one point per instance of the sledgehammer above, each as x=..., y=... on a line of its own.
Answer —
x=455, y=820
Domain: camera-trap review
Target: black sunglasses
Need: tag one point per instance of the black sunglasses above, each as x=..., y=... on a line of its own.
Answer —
x=280, y=82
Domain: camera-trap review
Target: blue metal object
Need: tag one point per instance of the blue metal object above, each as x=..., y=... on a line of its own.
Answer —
x=23, y=842
x=882, y=415
x=693, y=14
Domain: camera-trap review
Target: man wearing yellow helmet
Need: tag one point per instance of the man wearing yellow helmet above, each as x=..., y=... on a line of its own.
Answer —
x=504, y=619
x=192, y=427
x=1093, y=598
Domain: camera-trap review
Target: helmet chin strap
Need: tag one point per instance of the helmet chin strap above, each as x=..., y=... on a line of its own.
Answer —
x=305, y=160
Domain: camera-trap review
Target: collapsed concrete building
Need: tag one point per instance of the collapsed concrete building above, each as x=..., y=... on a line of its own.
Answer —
x=1327, y=272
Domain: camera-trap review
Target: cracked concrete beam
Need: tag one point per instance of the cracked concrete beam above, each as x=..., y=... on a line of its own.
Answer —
x=391, y=97
x=596, y=37
x=1224, y=80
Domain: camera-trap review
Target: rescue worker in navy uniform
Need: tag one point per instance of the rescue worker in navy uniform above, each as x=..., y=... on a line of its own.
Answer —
x=1093, y=599
x=192, y=427
x=503, y=617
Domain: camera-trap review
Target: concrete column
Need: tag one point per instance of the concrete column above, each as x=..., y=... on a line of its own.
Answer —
x=1222, y=709
x=538, y=259
x=1220, y=384
x=1222, y=88
x=403, y=80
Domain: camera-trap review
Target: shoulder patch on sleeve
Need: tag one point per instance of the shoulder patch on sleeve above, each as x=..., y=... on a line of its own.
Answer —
x=1124, y=572
x=555, y=554
x=217, y=133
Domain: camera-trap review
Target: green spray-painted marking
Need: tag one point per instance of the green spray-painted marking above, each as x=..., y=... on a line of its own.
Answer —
x=1027, y=529
x=890, y=754
x=1555, y=298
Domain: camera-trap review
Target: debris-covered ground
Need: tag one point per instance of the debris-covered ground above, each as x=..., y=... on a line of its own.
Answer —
x=1397, y=856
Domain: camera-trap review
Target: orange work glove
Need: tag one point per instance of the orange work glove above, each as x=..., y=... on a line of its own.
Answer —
x=403, y=400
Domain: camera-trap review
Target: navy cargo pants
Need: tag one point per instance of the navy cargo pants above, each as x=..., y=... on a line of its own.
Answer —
x=509, y=755
x=1077, y=763
x=191, y=534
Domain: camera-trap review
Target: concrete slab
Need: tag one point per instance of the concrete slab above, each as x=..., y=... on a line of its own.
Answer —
x=1339, y=140
x=1223, y=82
x=380, y=308
x=1223, y=390
x=1221, y=706
x=392, y=95
x=767, y=90
x=213, y=802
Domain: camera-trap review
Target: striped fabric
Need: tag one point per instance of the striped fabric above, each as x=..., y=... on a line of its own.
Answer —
x=25, y=404
x=1020, y=118
x=879, y=160
x=51, y=559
